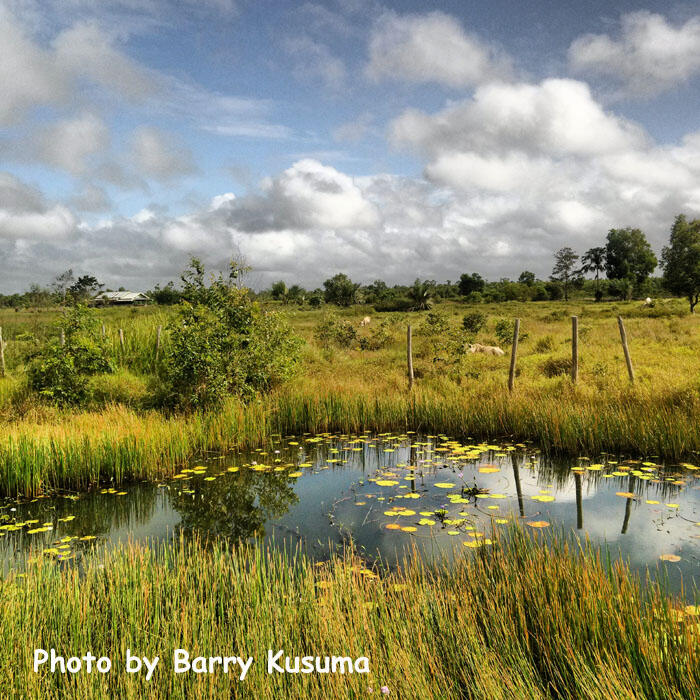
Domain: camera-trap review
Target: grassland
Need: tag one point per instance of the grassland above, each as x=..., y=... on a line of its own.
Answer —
x=348, y=389
x=496, y=625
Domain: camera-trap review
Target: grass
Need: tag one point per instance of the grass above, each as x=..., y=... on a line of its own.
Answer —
x=496, y=625
x=350, y=389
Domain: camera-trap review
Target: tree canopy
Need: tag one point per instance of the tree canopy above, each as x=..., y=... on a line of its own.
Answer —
x=681, y=260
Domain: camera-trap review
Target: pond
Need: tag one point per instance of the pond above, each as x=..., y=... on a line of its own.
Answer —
x=385, y=493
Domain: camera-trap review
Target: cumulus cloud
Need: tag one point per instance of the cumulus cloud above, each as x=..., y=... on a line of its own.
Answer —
x=650, y=55
x=432, y=47
x=308, y=195
x=160, y=155
x=555, y=116
x=24, y=214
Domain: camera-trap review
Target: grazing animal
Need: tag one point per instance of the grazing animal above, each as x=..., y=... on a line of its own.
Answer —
x=486, y=349
x=648, y=302
x=365, y=321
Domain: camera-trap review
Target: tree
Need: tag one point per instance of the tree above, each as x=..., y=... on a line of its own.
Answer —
x=421, y=294
x=527, y=278
x=594, y=261
x=471, y=283
x=563, y=270
x=628, y=256
x=340, y=290
x=61, y=283
x=86, y=286
x=279, y=291
x=681, y=260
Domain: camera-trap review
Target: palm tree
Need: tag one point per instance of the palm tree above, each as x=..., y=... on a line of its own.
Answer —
x=421, y=293
x=594, y=261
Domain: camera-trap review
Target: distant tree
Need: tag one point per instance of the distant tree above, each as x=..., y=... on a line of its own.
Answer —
x=61, y=283
x=471, y=283
x=628, y=256
x=279, y=291
x=421, y=294
x=563, y=270
x=84, y=287
x=527, y=278
x=296, y=294
x=340, y=290
x=681, y=260
x=594, y=261
x=167, y=295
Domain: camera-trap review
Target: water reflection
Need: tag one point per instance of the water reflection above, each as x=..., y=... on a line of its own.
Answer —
x=384, y=492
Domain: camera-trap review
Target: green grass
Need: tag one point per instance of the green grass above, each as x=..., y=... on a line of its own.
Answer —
x=496, y=625
x=350, y=390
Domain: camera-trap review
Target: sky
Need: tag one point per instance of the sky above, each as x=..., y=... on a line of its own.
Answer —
x=392, y=140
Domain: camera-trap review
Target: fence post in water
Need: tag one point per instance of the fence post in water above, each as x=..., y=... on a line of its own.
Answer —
x=2, y=355
x=121, y=338
x=513, y=355
x=574, y=349
x=160, y=330
x=409, y=355
x=628, y=359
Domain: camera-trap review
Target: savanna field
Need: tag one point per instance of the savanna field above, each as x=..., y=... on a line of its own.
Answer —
x=493, y=620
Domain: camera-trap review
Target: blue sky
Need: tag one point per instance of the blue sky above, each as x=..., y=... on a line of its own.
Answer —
x=394, y=140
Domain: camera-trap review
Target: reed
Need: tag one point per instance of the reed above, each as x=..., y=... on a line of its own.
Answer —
x=499, y=624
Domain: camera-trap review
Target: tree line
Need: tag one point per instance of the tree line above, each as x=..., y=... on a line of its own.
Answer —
x=621, y=268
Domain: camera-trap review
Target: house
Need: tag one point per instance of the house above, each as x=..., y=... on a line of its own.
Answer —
x=121, y=299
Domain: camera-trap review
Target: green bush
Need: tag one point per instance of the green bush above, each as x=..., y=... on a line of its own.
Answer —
x=504, y=330
x=222, y=343
x=333, y=331
x=59, y=373
x=474, y=321
x=378, y=337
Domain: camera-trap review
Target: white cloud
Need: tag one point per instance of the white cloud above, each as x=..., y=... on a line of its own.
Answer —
x=28, y=74
x=160, y=155
x=556, y=116
x=650, y=56
x=432, y=47
x=70, y=144
x=308, y=195
x=24, y=214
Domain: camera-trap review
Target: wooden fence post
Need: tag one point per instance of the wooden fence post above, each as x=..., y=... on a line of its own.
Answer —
x=574, y=349
x=513, y=355
x=121, y=338
x=2, y=355
x=104, y=331
x=409, y=355
x=623, y=338
x=160, y=330
x=63, y=337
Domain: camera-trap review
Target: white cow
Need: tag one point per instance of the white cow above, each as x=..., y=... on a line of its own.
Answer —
x=365, y=321
x=486, y=349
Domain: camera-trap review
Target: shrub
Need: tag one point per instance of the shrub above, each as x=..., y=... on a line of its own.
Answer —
x=556, y=366
x=504, y=330
x=378, y=337
x=222, y=343
x=397, y=304
x=333, y=331
x=544, y=344
x=59, y=373
x=474, y=321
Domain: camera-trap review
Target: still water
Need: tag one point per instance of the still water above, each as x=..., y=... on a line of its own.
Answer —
x=384, y=493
